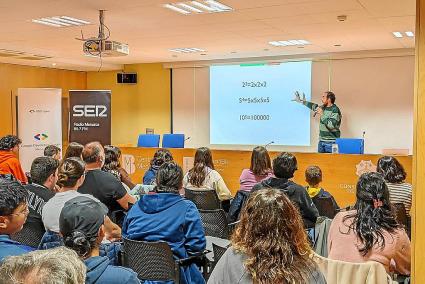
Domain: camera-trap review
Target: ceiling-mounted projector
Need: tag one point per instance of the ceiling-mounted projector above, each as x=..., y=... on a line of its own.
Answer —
x=101, y=46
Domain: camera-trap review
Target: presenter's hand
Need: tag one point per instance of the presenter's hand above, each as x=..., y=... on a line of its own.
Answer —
x=297, y=97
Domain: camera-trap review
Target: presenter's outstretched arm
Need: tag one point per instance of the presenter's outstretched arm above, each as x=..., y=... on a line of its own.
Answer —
x=303, y=101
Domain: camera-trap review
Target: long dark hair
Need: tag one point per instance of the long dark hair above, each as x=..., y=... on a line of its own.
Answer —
x=203, y=159
x=373, y=214
x=391, y=169
x=260, y=161
x=272, y=236
x=112, y=158
x=160, y=157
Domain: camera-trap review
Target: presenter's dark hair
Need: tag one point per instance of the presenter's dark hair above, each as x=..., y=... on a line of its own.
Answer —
x=260, y=161
x=330, y=95
x=313, y=175
x=74, y=149
x=391, y=169
x=169, y=178
x=161, y=156
x=370, y=222
x=42, y=168
x=112, y=158
x=271, y=234
x=203, y=159
x=70, y=171
x=51, y=150
x=8, y=142
x=285, y=165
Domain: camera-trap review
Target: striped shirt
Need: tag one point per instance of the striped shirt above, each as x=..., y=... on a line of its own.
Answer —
x=401, y=193
x=330, y=122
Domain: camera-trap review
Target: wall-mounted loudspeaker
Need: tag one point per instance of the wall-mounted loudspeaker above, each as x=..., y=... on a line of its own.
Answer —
x=127, y=78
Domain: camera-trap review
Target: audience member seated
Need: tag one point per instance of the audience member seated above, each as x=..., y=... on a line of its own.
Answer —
x=161, y=156
x=370, y=232
x=52, y=151
x=74, y=149
x=71, y=176
x=9, y=163
x=166, y=216
x=113, y=166
x=44, y=175
x=269, y=245
x=203, y=175
x=54, y=266
x=260, y=169
x=102, y=185
x=313, y=176
x=13, y=214
x=284, y=167
x=82, y=226
x=395, y=175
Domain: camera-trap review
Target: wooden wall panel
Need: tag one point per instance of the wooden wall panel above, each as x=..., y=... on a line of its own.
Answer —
x=339, y=171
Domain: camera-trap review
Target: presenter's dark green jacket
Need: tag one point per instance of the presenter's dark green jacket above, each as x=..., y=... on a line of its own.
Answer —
x=330, y=122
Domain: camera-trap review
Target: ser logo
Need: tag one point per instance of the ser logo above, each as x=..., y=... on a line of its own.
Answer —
x=89, y=111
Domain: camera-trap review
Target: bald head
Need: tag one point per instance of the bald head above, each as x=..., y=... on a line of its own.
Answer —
x=93, y=153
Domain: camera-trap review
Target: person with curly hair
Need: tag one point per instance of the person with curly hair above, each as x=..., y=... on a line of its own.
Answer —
x=370, y=232
x=112, y=165
x=269, y=245
x=9, y=162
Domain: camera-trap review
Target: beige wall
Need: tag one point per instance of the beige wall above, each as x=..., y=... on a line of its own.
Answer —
x=375, y=95
x=139, y=106
x=13, y=77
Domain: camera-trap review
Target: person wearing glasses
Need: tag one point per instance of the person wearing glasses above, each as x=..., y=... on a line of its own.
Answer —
x=13, y=214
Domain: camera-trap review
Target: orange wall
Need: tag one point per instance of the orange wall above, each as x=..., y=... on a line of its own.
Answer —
x=136, y=107
x=13, y=77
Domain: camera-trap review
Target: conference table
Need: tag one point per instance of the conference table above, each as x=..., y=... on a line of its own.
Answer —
x=340, y=171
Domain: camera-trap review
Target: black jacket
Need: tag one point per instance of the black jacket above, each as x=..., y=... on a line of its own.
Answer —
x=297, y=194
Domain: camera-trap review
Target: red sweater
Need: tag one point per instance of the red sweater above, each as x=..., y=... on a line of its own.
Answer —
x=9, y=164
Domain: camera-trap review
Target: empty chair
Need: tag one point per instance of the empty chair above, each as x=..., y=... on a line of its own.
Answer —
x=350, y=145
x=205, y=199
x=326, y=207
x=30, y=235
x=148, y=140
x=154, y=261
x=173, y=141
x=215, y=223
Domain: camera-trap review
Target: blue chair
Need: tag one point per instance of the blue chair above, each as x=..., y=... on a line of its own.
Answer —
x=173, y=141
x=148, y=140
x=350, y=145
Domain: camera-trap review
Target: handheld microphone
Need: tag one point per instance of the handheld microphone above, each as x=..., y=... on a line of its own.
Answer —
x=364, y=132
x=315, y=111
x=187, y=138
x=271, y=142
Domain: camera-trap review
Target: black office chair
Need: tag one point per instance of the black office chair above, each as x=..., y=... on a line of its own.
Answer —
x=30, y=235
x=154, y=261
x=205, y=199
x=215, y=223
x=218, y=253
x=326, y=207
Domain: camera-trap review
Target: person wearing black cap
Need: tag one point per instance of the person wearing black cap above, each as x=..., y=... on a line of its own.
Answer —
x=81, y=225
x=166, y=216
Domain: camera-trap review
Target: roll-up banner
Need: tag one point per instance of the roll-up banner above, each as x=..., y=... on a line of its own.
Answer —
x=90, y=116
x=39, y=122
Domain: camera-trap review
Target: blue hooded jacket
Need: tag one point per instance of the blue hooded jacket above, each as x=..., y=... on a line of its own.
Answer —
x=101, y=272
x=171, y=218
x=9, y=247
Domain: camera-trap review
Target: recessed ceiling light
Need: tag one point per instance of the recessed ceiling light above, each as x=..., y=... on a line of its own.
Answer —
x=398, y=34
x=410, y=34
x=289, y=42
x=60, y=21
x=198, y=7
x=187, y=50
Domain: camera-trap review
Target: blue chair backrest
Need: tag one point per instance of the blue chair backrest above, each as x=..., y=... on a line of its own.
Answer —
x=350, y=145
x=148, y=140
x=173, y=141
